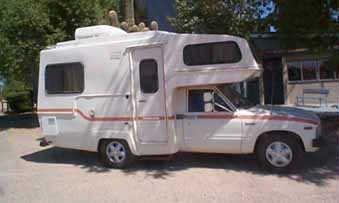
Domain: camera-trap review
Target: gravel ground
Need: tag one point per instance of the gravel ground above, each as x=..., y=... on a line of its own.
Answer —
x=29, y=173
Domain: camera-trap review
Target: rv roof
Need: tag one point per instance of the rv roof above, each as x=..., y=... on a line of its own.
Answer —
x=137, y=36
x=105, y=33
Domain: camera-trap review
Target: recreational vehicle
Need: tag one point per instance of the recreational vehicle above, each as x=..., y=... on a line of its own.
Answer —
x=126, y=95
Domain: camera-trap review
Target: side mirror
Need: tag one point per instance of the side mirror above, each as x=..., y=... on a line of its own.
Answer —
x=208, y=97
x=208, y=107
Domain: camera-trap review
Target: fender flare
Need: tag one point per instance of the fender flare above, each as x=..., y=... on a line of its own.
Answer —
x=270, y=133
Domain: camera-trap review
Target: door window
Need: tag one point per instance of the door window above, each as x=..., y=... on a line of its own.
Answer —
x=206, y=100
x=196, y=100
x=148, y=70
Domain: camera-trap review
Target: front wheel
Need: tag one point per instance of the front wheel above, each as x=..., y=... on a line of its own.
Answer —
x=115, y=153
x=279, y=153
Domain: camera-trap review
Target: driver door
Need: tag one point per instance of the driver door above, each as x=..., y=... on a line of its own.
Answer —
x=210, y=125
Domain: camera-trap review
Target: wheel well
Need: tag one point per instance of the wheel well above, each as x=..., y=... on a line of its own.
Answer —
x=271, y=133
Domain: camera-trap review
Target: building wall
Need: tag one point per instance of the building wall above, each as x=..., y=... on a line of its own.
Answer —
x=293, y=89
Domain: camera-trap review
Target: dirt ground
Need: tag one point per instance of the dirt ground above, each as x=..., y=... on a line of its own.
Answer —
x=29, y=173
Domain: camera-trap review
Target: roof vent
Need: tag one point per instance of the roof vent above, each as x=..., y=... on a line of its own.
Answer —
x=98, y=31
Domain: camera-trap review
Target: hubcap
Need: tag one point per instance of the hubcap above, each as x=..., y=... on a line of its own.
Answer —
x=279, y=154
x=116, y=152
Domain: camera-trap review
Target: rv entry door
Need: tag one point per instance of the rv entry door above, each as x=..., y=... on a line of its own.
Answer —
x=149, y=94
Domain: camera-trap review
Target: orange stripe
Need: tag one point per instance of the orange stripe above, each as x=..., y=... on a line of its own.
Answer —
x=216, y=116
x=201, y=116
x=55, y=110
x=265, y=117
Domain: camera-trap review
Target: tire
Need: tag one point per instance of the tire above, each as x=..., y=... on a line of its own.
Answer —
x=115, y=153
x=279, y=153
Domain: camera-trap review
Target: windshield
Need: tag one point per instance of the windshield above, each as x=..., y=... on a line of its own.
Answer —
x=230, y=92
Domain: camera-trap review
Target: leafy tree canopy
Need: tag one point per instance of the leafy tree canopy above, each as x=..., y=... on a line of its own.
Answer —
x=312, y=24
x=307, y=23
x=237, y=17
x=28, y=26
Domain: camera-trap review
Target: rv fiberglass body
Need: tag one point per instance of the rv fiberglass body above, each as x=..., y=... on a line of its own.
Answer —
x=158, y=93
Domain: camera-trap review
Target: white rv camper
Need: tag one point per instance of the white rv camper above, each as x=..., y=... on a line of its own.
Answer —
x=157, y=93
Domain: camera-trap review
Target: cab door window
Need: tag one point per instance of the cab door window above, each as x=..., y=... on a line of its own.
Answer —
x=206, y=100
x=196, y=100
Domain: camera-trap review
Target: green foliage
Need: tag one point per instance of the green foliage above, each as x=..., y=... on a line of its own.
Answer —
x=18, y=96
x=307, y=23
x=237, y=17
x=312, y=24
x=68, y=15
x=28, y=26
x=25, y=29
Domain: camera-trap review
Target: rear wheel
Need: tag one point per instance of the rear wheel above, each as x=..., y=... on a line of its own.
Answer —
x=115, y=153
x=279, y=153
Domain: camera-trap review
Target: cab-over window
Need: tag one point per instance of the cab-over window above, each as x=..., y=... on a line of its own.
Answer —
x=211, y=53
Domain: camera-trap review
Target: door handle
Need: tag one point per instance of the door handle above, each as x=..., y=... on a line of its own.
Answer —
x=142, y=100
x=252, y=123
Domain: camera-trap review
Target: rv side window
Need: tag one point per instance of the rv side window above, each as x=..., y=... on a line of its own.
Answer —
x=211, y=53
x=64, y=78
x=148, y=70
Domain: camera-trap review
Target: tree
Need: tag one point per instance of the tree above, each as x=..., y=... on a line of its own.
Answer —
x=129, y=12
x=28, y=26
x=311, y=24
x=307, y=23
x=25, y=30
x=237, y=17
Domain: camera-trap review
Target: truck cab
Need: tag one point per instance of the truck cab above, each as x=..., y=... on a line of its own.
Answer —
x=219, y=119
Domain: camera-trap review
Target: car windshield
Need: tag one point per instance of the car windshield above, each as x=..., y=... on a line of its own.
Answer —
x=230, y=92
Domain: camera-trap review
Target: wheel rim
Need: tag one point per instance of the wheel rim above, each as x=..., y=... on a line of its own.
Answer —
x=279, y=154
x=116, y=152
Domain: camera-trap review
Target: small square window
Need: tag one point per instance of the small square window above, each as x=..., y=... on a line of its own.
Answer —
x=294, y=71
x=196, y=100
x=309, y=70
x=325, y=72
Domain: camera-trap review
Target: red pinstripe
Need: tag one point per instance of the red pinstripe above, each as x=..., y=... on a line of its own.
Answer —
x=201, y=116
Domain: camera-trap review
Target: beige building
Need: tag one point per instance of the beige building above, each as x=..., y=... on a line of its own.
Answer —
x=293, y=77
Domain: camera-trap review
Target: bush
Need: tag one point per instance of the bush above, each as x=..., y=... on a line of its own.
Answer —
x=19, y=97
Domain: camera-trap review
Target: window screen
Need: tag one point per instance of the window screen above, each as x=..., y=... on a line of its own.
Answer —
x=211, y=53
x=148, y=70
x=64, y=78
